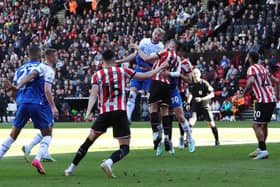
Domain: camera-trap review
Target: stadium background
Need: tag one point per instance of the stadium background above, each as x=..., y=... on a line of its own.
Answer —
x=218, y=35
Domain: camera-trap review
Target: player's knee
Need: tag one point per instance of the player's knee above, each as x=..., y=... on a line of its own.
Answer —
x=124, y=149
x=181, y=118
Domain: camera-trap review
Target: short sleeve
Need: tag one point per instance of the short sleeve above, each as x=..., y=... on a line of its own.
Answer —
x=94, y=79
x=15, y=78
x=250, y=71
x=49, y=75
x=208, y=87
x=129, y=73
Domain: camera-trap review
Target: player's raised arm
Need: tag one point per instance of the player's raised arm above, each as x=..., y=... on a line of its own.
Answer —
x=127, y=58
x=148, y=58
x=149, y=74
x=27, y=78
x=91, y=100
x=249, y=83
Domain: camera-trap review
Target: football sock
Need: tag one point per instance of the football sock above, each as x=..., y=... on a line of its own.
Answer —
x=155, y=124
x=119, y=154
x=170, y=124
x=262, y=145
x=6, y=146
x=166, y=126
x=44, y=146
x=37, y=139
x=131, y=104
x=187, y=129
x=181, y=130
x=215, y=133
x=82, y=151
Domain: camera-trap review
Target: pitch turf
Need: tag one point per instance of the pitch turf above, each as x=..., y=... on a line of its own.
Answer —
x=199, y=124
x=208, y=166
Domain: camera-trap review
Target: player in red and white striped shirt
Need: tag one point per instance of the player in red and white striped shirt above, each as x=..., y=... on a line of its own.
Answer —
x=160, y=88
x=109, y=86
x=261, y=81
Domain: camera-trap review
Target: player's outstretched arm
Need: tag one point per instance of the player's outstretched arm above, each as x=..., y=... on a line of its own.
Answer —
x=91, y=100
x=127, y=58
x=276, y=85
x=147, y=58
x=48, y=94
x=26, y=79
x=186, y=78
x=149, y=74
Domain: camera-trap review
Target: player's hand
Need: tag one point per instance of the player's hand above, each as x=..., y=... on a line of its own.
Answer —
x=133, y=46
x=55, y=112
x=198, y=99
x=165, y=73
x=117, y=62
x=88, y=117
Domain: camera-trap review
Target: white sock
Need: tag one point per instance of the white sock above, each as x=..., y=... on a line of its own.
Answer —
x=109, y=162
x=72, y=167
x=37, y=139
x=187, y=129
x=131, y=104
x=44, y=145
x=155, y=135
x=6, y=146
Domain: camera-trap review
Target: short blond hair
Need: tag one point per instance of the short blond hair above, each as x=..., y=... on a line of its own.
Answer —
x=160, y=30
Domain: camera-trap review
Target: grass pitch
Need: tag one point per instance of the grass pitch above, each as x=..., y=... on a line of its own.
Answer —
x=208, y=166
x=227, y=165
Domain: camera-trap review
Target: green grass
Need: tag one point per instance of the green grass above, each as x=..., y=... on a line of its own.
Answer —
x=208, y=166
x=199, y=124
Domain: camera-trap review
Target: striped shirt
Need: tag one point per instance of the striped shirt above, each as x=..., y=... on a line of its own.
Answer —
x=186, y=67
x=112, y=88
x=173, y=62
x=262, y=86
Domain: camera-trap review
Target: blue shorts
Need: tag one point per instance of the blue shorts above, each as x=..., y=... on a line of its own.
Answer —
x=176, y=99
x=41, y=115
x=140, y=84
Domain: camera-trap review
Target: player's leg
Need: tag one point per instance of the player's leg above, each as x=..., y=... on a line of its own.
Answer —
x=82, y=151
x=132, y=98
x=121, y=131
x=167, y=127
x=193, y=119
x=262, y=153
x=155, y=124
x=98, y=128
x=21, y=118
x=5, y=146
x=185, y=125
x=209, y=117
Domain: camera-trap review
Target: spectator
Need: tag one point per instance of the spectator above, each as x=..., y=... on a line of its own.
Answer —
x=226, y=110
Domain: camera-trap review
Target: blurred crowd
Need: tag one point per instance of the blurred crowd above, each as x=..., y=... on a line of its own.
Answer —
x=80, y=37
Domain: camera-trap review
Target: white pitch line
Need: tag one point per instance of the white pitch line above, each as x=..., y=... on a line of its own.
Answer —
x=69, y=140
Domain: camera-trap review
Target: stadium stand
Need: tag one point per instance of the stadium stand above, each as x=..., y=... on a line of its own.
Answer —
x=218, y=36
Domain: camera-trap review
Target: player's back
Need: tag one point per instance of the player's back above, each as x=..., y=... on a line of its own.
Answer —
x=32, y=92
x=173, y=62
x=262, y=86
x=112, y=88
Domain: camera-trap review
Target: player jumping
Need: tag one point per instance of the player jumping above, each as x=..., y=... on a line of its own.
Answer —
x=148, y=46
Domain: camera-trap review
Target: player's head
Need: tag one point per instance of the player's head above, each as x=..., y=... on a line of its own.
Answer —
x=253, y=57
x=181, y=49
x=171, y=45
x=158, y=35
x=108, y=56
x=35, y=52
x=196, y=75
x=51, y=56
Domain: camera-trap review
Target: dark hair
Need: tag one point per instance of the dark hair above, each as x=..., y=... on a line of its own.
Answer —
x=108, y=55
x=49, y=51
x=181, y=47
x=254, y=56
x=34, y=50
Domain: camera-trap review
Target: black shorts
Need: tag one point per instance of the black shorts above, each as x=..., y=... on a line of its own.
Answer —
x=117, y=119
x=203, y=109
x=159, y=92
x=263, y=112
